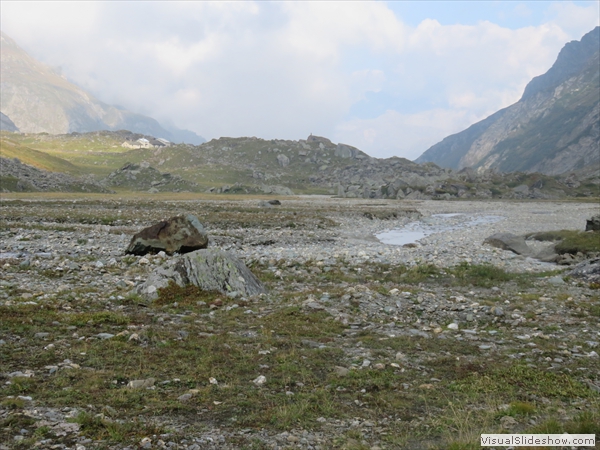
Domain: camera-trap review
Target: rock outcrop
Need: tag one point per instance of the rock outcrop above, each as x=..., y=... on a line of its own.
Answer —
x=593, y=224
x=144, y=177
x=588, y=271
x=18, y=177
x=179, y=234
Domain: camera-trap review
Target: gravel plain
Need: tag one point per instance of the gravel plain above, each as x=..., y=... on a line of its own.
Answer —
x=320, y=255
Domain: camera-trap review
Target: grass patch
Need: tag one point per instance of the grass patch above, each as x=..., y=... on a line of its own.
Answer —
x=571, y=241
x=481, y=275
x=519, y=381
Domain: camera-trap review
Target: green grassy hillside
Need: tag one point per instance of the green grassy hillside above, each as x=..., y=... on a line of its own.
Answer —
x=42, y=160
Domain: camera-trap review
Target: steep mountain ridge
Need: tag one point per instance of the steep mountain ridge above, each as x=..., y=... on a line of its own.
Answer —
x=37, y=99
x=554, y=128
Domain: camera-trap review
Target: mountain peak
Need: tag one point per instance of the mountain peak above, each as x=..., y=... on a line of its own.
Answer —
x=572, y=59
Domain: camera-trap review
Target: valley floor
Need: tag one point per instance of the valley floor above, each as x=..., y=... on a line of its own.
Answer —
x=362, y=345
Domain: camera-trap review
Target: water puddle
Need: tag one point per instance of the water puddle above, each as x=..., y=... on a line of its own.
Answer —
x=437, y=223
x=7, y=255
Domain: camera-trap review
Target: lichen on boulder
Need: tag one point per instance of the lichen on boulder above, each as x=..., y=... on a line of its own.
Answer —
x=209, y=269
x=217, y=270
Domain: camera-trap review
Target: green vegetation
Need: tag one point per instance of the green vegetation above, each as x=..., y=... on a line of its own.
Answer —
x=11, y=149
x=571, y=241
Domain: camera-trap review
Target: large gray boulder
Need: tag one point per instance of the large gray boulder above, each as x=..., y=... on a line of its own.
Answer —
x=180, y=234
x=217, y=270
x=509, y=241
x=209, y=269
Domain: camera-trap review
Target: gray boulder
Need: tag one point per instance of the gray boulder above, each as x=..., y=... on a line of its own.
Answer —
x=593, y=224
x=346, y=151
x=180, y=234
x=588, y=271
x=547, y=254
x=283, y=160
x=217, y=270
x=209, y=269
x=509, y=241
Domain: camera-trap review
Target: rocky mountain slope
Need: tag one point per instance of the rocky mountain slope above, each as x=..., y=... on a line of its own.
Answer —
x=554, y=128
x=37, y=99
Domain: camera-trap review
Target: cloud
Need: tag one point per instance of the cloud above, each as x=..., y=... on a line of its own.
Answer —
x=406, y=135
x=574, y=19
x=353, y=71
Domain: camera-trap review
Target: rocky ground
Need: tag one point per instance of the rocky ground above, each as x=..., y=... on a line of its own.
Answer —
x=356, y=345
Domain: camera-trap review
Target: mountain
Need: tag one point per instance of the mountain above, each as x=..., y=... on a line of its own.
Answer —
x=37, y=99
x=554, y=128
x=250, y=165
x=6, y=124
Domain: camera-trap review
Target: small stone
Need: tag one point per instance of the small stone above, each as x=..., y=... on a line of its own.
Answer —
x=184, y=397
x=105, y=336
x=508, y=422
x=497, y=311
x=366, y=363
x=260, y=380
x=453, y=326
x=134, y=337
x=341, y=371
x=140, y=384
x=556, y=281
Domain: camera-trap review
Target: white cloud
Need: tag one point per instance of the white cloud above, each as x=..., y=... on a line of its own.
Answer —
x=284, y=70
x=575, y=20
x=406, y=135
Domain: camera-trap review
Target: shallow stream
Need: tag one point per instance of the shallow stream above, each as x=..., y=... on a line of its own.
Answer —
x=437, y=223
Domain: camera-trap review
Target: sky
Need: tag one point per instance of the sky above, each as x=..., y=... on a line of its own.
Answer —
x=390, y=78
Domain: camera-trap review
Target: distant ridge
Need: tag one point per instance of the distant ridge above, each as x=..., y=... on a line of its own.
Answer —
x=6, y=124
x=554, y=128
x=37, y=99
